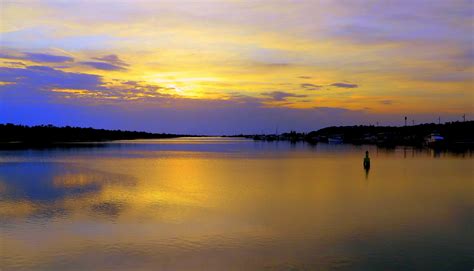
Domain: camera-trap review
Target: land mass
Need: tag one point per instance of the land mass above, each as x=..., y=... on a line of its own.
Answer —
x=451, y=134
x=11, y=134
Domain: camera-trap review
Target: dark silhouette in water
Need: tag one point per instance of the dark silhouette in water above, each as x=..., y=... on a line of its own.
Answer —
x=367, y=161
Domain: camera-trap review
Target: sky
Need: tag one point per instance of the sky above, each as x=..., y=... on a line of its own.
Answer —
x=230, y=67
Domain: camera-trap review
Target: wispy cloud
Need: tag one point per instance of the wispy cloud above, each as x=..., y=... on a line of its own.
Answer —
x=43, y=77
x=103, y=66
x=308, y=86
x=281, y=95
x=47, y=58
x=344, y=85
x=113, y=60
x=38, y=57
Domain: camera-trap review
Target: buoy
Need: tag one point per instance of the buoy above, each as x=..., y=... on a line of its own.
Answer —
x=367, y=160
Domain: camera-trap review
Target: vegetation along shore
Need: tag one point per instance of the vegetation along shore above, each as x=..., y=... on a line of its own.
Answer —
x=12, y=135
x=450, y=134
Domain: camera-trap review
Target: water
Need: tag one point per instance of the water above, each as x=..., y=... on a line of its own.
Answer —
x=231, y=204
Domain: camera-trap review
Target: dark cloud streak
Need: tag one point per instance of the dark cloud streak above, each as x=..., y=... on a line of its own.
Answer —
x=308, y=86
x=102, y=66
x=281, y=96
x=344, y=85
x=38, y=57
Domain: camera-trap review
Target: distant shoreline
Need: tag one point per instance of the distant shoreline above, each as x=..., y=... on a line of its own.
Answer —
x=459, y=135
x=12, y=135
x=454, y=135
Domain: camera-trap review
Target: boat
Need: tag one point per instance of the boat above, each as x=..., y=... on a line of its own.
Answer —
x=434, y=139
x=335, y=140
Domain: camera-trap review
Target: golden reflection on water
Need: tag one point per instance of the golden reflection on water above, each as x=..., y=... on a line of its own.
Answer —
x=198, y=210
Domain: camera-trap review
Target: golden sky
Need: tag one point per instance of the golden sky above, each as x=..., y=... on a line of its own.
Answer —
x=371, y=59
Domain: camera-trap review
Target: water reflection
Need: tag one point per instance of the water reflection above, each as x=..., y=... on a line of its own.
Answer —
x=366, y=173
x=44, y=189
x=243, y=205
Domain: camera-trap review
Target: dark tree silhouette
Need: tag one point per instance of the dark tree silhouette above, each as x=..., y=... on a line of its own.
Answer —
x=47, y=134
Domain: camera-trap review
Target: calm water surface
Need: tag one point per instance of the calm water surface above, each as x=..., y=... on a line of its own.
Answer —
x=231, y=204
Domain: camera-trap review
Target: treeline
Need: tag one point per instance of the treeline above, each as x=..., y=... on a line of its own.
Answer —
x=45, y=134
x=455, y=134
x=451, y=131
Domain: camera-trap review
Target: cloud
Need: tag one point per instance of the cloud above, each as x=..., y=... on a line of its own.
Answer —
x=308, y=86
x=107, y=63
x=244, y=99
x=43, y=77
x=386, y=102
x=38, y=57
x=42, y=83
x=14, y=63
x=281, y=96
x=9, y=56
x=305, y=77
x=34, y=84
x=103, y=66
x=344, y=85
x=47, y=58
x=112, y=59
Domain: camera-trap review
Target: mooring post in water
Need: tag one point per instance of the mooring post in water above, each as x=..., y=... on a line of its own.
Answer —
x=367, y=160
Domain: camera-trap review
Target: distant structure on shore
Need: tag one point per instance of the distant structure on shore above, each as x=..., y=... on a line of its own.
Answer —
x=451, y=134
